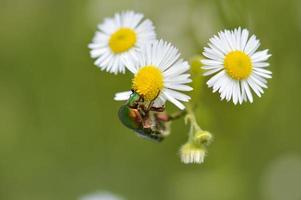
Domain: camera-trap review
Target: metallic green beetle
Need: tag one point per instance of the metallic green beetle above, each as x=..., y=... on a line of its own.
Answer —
x=148, y=122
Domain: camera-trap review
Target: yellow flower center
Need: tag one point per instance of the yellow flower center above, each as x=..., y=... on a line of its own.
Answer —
x=148, y=82
x=122, y=40
x=238, y=65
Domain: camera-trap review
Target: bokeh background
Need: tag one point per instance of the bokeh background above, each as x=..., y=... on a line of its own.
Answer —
x=60, y=137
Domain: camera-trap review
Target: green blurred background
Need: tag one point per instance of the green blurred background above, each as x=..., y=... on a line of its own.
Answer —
x=60, y=137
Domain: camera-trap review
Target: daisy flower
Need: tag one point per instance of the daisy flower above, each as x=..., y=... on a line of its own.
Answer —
x=237, y=66
x=158, y=74
x=119, y=38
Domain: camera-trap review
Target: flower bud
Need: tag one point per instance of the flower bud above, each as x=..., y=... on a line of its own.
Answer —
x=202, y=137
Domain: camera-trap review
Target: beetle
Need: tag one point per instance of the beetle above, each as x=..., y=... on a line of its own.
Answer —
x=147, y=121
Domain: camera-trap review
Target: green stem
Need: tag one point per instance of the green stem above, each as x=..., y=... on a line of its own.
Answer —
x=194, y=126
x=191, y=117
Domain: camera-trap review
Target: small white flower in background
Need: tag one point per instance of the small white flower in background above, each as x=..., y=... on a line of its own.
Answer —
x=238, y=67
x=158, y=74
x=101, y=196
x=119, y=38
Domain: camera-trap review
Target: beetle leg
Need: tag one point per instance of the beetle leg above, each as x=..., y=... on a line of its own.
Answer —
x=163, y=117
x=158, y=109
x=150, y=105
x=141, y=109
x=147, y=122
x=141, y=99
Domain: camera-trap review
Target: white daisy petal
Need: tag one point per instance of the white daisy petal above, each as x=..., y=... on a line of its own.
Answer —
x=171, y=55
x=230, y=90
x=261, y=64
x=129, y=63
x=206, y=67
x=223, y=86
x=174, y=101
x=260, y=56
x=213, y=53
x=258, y=90
x=178, y=68
x=178, y=87
x=219, y=44
x=217, y=85
x=212, y=71
x=236, y=92
x=263, y=70
x=261, y=84
x=251, y=45
x=262, y=74
x=215, y=78
x=244, y=39
x=223, y=36
x=211, y=62
x=180, y=79
x=122, y=96
x=247, y=90
x=238, y=38
x=178, y=95
x=261, y=79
